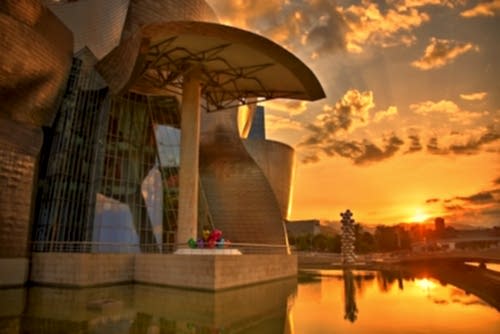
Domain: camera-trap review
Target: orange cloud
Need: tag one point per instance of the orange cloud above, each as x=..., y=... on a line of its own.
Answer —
x=441, y=52
x=368, y=25
x=449, y=109
x=315, y=24
x=491, y=8
x=405, y=4
x=474, y=96
x=383, y=114
x=290, y=107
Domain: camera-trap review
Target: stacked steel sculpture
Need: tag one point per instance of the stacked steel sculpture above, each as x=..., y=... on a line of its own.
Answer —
x=348, y=238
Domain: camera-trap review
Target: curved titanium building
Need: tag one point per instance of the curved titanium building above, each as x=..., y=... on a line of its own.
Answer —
x=96, y=93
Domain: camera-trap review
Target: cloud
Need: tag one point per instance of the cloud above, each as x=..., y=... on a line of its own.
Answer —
x=446, y=108
x=290, y=107
x=433, y=147
x=405, y=4
x=432, y=200
x=373, y=153
x=497, y=181
x=360, y=152
x=310, y=159
x=320, y=27
x=383, y=114
x=441, y=52
x=278, y=122
x=369, y=26
x=315, y=24
x=491, y=8
x=481, y=197
x=474, y=96
x=415, y=145
x=482, y=207
x=472, y=145
x=350, y=112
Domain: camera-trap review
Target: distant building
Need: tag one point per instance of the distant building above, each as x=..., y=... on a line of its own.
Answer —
x=299, y=228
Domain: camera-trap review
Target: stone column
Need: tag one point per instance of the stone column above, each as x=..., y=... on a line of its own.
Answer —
x=187, y=219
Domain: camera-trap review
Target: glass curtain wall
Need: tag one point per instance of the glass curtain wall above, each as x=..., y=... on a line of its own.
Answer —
x=65, y=202
x=137, y=202
x=108, y=178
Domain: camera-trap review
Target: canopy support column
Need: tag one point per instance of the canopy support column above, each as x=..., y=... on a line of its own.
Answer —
x=187, y=219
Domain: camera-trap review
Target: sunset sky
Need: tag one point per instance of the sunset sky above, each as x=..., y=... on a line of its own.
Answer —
x=410, y=128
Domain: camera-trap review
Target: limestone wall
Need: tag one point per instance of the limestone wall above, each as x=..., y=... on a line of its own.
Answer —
x=213, y=272
x=204, y=272
x=73, y=269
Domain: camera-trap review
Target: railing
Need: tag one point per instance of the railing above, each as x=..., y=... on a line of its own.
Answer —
x=120, y=247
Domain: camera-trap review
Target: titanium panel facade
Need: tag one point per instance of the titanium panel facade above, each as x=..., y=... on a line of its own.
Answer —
x=35, y=60
x=277, y=161
x=95, y=24
x=241, y=200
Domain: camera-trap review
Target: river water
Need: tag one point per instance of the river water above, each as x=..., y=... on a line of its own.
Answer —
x=319, y=301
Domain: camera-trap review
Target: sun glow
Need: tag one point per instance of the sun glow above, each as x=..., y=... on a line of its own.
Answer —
x=419, y=216
x=425, y=284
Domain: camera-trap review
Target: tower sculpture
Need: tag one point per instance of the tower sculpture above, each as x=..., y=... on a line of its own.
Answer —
x=348, y=238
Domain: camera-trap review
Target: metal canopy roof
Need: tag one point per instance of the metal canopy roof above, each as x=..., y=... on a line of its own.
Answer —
x=235, y=64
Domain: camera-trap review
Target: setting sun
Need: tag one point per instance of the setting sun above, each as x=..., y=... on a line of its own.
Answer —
x=419, y=216
x=425, y=284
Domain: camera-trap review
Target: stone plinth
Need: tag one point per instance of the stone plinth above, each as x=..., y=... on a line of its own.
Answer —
x=209, y=272
x=81, y=270
x=213, y=272
x=13, y=271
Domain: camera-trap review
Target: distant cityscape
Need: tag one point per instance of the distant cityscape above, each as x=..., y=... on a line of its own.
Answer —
x=325, y=235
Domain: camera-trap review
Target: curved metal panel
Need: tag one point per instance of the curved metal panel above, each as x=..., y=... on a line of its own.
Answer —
x=236, y=65
x=277, y=161
x=96, y=24
x=34, y=62
x=241, y=201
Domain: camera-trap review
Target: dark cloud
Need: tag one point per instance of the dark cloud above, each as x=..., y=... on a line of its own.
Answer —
x=432, y=200
x=363, y=152
x=329, y=34
x=317, y=25
x=373, y=153
x=310, y=159
x=455, y=207
x=433, y=147
x=497, y=181
x=473, y=146
x=415, y=144
x=482, y=197
x=351, y=110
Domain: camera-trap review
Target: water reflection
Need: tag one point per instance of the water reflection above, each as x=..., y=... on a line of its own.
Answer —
x=262, y=308
x=391, y=301
x=323, y=301
x=350, y=308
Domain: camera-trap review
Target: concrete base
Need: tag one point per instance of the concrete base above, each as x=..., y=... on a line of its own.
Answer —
x=13, y=272
x=203, y=272
x=81, y=269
